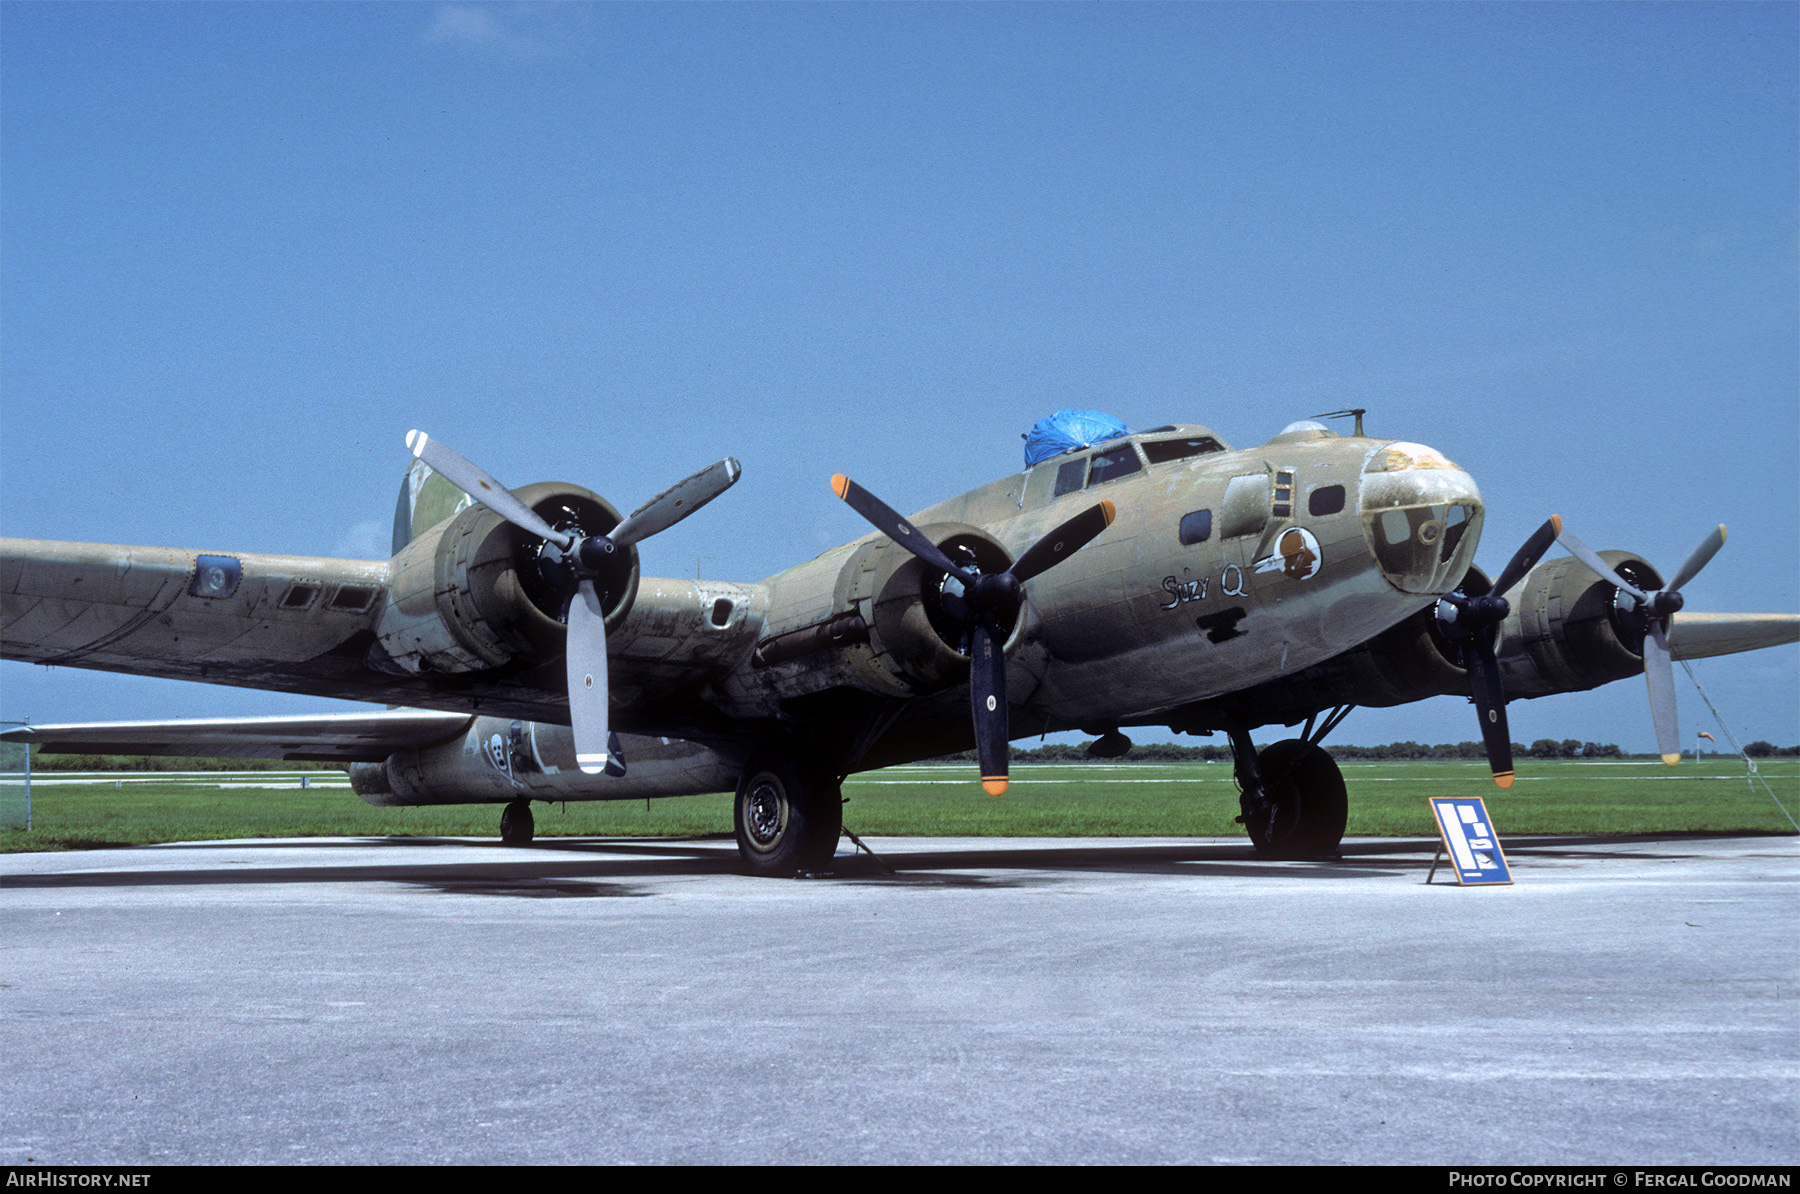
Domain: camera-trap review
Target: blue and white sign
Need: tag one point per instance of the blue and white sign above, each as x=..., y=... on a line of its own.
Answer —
x=1469, y=836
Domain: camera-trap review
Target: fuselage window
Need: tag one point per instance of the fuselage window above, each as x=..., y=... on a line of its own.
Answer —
x=1284, y=494
x=1196, y=527
x=1110, y=466
x=1164, y=450
x=1326, y=499
x=1069, y=477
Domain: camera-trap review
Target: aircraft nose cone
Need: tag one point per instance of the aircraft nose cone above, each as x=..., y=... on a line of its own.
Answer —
x=1421, y=516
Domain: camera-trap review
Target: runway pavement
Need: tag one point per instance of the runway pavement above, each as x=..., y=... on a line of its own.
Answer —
x=1118, y=1000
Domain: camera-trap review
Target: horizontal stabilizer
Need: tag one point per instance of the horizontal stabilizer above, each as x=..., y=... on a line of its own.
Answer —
x=327, y=737
x=1696, y=635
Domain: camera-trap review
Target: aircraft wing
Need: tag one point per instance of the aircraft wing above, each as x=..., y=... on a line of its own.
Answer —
x=293, y=623
x=328, y=738
x=1698, y=635
x=310, y=625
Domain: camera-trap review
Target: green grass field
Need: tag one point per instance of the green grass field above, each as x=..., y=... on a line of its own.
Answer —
x=1129, y=799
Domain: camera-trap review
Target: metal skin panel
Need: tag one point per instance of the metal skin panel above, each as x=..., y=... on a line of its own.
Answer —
x=1134, y=628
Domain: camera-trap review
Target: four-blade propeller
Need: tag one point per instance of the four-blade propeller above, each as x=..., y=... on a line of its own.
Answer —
x=982, y=603
x=1473, y=623
x=1652, y=612
x=579, y=562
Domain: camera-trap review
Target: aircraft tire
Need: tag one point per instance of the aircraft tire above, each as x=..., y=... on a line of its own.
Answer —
x=1310, y=805
x=788, y=817
x=516, y=825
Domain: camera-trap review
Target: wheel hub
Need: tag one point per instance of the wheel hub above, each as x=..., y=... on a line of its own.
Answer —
x=765, y=812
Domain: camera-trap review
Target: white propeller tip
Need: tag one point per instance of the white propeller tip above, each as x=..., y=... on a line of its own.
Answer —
x=591, y=764
x=415, y=442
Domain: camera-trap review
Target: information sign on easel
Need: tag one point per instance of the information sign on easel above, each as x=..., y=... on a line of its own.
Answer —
x=1468, y=834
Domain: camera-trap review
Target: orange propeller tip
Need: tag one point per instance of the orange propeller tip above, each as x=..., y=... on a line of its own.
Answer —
x=1671, y=760
x=840, y=484
x=1556, y=521
x=993, y=785
x=1503, y=779
x=1111, y=511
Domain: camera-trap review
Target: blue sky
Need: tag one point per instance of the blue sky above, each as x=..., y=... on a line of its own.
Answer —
x=244, y=248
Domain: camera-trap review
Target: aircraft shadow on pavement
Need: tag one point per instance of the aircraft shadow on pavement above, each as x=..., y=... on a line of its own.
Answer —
x=564, y=867
x=605, y=867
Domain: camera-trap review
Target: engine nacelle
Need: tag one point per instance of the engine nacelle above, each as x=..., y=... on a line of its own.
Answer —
x=1566, y=632
x=466, y=594
x=888, y=631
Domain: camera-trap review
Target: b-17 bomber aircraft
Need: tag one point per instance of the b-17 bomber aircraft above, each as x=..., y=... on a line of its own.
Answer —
x=1157, y=578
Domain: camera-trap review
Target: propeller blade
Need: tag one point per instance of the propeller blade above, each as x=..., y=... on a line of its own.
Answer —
x=1064, y=541
x=1591, y=558
x=1709, y=547
x=473, y=480
x=1526, y=558
x=676, y=502
x=1490, y=705
x=987, y=700
x=883, y=518
x=1660, y=679
x=586, y=658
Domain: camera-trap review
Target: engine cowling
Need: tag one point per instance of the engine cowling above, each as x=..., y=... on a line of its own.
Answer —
x=466, y=594
x=1566, y=632
x=888, y=631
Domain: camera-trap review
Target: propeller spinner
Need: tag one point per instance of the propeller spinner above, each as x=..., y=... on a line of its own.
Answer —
x=1653, y=612
x=578, y=561
x=982, y=603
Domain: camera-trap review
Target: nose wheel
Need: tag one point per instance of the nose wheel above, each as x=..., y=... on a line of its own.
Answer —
x=516, y=825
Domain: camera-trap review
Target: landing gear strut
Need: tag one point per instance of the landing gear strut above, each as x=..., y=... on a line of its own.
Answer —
x=516, y=826
x=788, y=817
x=1293, y=801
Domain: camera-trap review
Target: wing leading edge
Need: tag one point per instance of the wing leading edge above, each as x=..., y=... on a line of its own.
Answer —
x=327, y=738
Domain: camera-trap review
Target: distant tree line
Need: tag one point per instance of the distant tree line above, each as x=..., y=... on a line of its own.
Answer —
x=1142, y=752
x=1543, y=748
x=60, y=762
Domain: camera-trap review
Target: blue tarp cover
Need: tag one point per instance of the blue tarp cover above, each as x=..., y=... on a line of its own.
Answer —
x=1067, y=430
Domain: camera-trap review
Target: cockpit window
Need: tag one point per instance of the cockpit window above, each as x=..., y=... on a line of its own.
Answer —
x=1110, y=466
x=1164, y=450
x=1069, y=477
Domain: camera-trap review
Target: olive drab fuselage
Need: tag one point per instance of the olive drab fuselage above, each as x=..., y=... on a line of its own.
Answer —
x=1223, y=569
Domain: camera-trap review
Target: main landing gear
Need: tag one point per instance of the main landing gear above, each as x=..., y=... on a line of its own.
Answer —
x=516, y=826
x=788, y=816
x=1293, y=801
